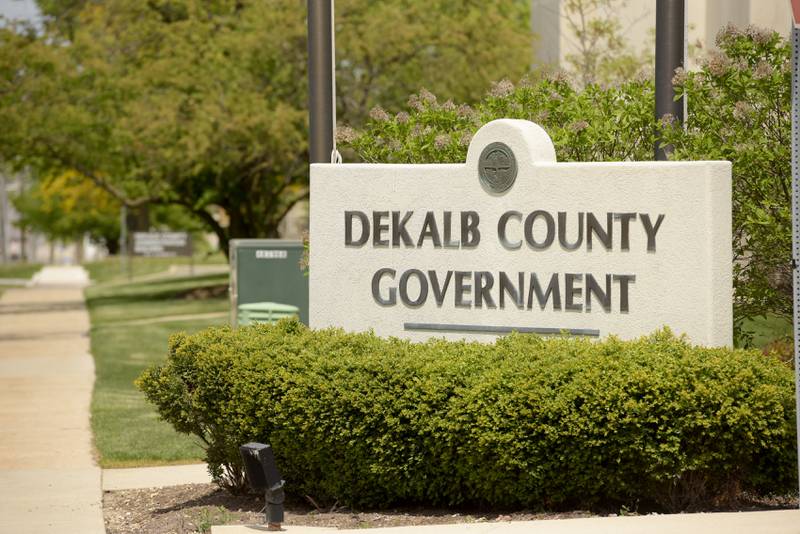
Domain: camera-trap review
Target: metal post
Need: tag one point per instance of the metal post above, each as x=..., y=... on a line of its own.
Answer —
x=670, y=28
x=796, y=222
x=320, y=81
x=3, y=218
x=191, y=253
x=123, y=238
x=23, y=231
x=262, y=474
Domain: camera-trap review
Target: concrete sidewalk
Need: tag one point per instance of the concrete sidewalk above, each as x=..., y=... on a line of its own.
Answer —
x=155, y=477
x=772, y=522
x=60, y=276
x=49, y=481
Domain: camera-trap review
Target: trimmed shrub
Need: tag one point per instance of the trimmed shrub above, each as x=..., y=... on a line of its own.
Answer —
x=525, y=422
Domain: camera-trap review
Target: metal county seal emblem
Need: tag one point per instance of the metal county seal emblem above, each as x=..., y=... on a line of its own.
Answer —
x=497, y=167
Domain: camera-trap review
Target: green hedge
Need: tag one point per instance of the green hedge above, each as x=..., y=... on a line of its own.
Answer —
x=526, y=422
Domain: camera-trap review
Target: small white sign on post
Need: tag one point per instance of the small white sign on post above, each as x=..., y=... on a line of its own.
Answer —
x=162, y=244
x=511, y=240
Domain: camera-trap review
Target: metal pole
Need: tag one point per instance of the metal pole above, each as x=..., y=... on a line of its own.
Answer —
x=23, y=231
x=670, y=25
x=123, y=237
x=796, y=222
x=191, y=254
x=3, y=218
x=320, y=81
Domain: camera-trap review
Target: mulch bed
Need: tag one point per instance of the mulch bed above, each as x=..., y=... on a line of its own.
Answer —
x=195, y=507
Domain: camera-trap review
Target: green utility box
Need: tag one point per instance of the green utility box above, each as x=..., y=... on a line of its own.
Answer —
x=266, y=275
x=265, y=312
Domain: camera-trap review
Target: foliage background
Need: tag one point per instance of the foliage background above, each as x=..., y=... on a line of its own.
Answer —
x=202, y=104
x=67, y=207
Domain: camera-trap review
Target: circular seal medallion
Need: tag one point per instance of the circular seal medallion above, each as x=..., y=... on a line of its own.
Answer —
x=497, y=167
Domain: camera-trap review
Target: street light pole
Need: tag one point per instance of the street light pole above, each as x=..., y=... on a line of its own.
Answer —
x=670, y=31
x=796, y=211
x=320, y=80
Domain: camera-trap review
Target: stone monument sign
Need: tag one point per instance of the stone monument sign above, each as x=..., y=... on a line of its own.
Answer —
x=513, y=240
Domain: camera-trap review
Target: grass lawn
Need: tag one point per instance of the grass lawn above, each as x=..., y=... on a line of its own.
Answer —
x=18, y=270
x=126, y=428
x=769, y=328
x=110, y=269
x=159, y=298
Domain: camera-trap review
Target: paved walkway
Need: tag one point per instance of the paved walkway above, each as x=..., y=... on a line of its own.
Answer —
x=14, y=281
x=61, y=276
x=49, y=481
x=774, y=522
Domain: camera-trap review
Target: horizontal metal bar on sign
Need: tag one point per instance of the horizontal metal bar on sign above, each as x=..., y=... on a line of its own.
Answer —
x=501, y=329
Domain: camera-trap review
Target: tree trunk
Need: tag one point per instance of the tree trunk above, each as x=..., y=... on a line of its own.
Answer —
x=112, y=244
x=219, y=231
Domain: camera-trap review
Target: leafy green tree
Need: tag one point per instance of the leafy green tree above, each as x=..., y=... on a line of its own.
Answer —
x=388, y=50
x=67, y=207
x=174, y=103
x=739, y=109
x=202, y=103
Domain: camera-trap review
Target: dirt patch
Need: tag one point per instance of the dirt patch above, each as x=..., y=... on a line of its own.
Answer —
x=195, y=507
